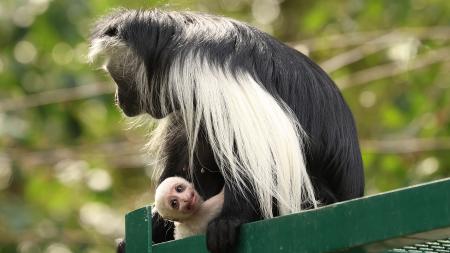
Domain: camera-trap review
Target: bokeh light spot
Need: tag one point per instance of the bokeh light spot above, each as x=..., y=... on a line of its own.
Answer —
x=62, y=53
x=367, y=98
x=98, y=180
x=57, y=248
x=25, y=52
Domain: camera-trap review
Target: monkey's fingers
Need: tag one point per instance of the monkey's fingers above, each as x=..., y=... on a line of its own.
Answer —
x=121, y=247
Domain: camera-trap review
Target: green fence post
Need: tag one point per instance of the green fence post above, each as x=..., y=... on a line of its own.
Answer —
x=138, y=231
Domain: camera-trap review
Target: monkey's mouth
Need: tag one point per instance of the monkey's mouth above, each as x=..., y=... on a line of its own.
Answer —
x=192, y=203
x=125, y=101
x=193, y=200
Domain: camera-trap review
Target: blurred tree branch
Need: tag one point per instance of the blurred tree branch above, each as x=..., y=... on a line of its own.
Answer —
x=120, y=154
x=55, y=96
x=402, y=146
x=357, y=38
x=358, y=53
x=393, y=69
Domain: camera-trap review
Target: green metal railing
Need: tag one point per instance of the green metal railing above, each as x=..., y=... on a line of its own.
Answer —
x=414, y=219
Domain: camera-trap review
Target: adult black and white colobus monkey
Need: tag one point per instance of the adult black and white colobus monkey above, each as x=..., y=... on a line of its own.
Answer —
x=238, y=109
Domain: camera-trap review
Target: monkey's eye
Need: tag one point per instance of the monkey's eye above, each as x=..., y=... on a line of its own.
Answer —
x=112, y=31
x=179, y=188
x=174, y=204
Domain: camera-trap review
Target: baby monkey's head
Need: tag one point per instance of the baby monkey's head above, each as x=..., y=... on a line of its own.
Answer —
x=176, y=199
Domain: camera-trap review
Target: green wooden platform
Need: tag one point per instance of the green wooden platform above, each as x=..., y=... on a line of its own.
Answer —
x=414, y=219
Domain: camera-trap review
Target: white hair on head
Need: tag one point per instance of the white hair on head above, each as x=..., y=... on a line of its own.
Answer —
x=118, y=55
x=255, y=138
x=105, y=47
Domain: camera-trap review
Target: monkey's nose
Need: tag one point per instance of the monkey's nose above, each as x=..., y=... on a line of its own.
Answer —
x=186, y=198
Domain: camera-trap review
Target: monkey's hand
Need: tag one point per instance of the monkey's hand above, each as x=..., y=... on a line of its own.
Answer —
x=162, y=230
x=121, y=247
x=222, y=234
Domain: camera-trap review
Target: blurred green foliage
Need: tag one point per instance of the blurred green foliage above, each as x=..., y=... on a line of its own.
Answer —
x=70, y=168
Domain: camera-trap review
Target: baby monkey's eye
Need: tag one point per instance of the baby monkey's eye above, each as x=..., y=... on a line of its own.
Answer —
x=179, y=188
x=174, y=204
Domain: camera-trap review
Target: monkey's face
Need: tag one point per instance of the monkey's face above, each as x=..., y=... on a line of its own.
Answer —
x=176, y=199
x=127, y=96
x=184, y=199
x=120, y=39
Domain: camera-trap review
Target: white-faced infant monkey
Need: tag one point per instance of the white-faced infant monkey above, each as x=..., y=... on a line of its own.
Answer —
x=178, y=201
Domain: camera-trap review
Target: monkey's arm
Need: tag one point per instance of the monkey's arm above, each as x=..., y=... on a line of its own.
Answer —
x=222, y=231
x=213, y=203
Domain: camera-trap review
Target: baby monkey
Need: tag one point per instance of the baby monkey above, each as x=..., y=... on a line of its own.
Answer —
x=178, y=201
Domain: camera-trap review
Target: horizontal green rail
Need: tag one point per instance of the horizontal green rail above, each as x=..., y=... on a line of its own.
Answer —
x=371, y=224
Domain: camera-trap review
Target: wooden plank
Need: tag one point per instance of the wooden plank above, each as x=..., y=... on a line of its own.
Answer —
x=138, y=231
x=391, y=219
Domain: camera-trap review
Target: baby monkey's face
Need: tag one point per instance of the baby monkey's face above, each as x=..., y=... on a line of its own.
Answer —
x=176, y=199
x=183, y=198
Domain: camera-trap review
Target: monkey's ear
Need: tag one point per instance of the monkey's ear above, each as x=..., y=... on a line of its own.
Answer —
x=112, y=31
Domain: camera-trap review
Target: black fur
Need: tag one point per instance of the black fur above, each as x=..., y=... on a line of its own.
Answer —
x=332, y=153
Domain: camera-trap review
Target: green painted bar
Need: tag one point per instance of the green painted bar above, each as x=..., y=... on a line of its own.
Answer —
x=138, y=231
x=369, y=224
